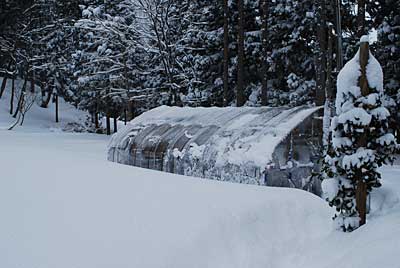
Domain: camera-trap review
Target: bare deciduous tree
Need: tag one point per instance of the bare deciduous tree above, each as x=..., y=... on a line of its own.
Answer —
x=25, y=102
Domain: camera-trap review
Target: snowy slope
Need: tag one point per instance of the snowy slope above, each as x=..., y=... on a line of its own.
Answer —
x=38, y=118
x=63, y=205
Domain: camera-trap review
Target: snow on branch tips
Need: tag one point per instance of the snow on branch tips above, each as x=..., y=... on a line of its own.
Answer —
x=362, y=140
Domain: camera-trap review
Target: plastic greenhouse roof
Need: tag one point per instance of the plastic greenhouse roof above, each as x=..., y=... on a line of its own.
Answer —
x=230, y=135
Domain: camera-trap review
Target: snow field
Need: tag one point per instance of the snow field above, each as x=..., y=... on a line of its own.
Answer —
x=64, y=205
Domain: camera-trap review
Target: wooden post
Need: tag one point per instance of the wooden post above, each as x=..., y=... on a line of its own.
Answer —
x=361, y=189
x=125, y=116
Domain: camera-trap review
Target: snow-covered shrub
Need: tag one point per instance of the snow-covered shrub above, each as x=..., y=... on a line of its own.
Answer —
x=361, y=140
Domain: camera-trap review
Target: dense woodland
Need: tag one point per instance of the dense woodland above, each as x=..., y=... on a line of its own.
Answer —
x=120, y=58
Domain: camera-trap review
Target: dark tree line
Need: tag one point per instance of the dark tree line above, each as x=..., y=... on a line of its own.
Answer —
x=120, y=58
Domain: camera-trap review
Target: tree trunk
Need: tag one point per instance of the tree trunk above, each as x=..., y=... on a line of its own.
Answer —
x=32, y=83
x=131, y=107
x=329, y=63
x=364, y=57
x=320, y=66
x=3, y=86
x=361, y=201
x=361, y=18
x=20, y=99
x=12, y=95
x=4, y=82
x=339, y=52
x=45, y=103
x=328, y=107
x=42, y=91
x=96, y=120
x=56, y=103
x=240, y=68
x=361, y=189
x=115, y=124
x=108, y=124
x=15, y=123
x=264, y=68
x=125, y=116
x=226, y=53
x=22, y=115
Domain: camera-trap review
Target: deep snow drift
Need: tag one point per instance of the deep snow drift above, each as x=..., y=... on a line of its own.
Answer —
x=63, y=205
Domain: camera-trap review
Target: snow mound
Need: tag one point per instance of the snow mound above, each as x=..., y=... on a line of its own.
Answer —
x=69, y=207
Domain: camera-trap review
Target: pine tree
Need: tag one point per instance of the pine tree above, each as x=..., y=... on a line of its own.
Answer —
x=361, y=139
x=388, y=51
x=202, y=55
x=291, y=35
x=107, y=62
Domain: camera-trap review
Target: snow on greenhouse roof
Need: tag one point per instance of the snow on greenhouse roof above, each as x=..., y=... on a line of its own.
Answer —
x=230, y=135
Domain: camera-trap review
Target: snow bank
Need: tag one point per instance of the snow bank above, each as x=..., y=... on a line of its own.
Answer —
x=86, y=212
x=69, y=207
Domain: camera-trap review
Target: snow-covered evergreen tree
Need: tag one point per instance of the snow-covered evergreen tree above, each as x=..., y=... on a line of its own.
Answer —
x=291, y=34
x=106, y=62
x=201, y=54
x=361, y=138
x=388, y=51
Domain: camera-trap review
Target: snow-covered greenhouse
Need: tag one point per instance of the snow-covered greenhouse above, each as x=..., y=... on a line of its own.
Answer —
x=266, y=146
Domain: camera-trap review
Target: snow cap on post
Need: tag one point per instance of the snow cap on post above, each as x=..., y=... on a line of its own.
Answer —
x=364, y=39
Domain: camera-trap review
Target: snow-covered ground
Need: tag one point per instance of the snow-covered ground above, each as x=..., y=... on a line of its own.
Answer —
x=63, y=205
x=38, y=118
